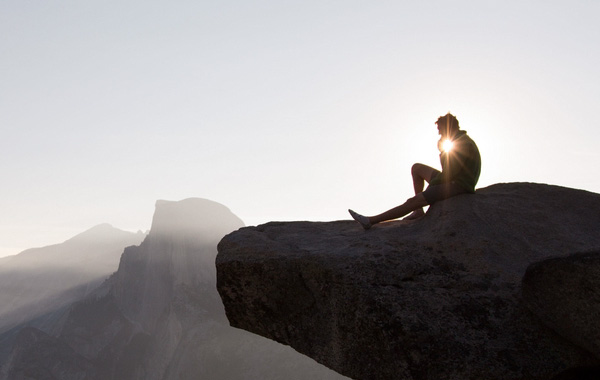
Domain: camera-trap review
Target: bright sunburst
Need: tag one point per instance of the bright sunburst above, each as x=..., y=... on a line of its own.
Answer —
x=447, y=145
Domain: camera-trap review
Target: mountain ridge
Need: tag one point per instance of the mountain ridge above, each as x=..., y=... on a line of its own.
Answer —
x=158, y=316
x=39, y=279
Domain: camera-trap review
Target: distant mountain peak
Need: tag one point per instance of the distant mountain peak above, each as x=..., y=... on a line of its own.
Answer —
x=158, y=317
x=40, y=279
x=100, y=232
x=192, y=215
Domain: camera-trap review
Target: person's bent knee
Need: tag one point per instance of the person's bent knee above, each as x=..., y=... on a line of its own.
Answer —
x=416, y=168
x=420, y=171
x=423, y=171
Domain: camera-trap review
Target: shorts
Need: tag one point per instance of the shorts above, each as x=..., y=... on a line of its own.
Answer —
x=442, y=191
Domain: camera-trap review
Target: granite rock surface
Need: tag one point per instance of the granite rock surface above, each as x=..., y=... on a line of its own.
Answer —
x=436, y=298
x=565, y=294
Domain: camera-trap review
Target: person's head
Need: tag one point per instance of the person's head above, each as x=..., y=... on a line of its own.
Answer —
x=447, y=125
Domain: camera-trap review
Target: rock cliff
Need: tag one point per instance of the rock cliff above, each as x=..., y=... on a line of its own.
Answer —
x=439, y=298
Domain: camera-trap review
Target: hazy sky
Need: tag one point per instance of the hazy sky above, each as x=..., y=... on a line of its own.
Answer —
x=280, y=110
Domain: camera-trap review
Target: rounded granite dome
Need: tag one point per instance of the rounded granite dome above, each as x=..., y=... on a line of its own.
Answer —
x=193, y=216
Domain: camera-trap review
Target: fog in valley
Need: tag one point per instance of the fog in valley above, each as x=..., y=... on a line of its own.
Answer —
x=42, y=279
x=69, y=313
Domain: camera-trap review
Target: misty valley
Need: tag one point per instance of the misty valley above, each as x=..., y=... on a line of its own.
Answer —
x=110, y=304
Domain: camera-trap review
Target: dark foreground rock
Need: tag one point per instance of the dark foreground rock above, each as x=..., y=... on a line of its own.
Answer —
x=437, y=298
x=565, y=294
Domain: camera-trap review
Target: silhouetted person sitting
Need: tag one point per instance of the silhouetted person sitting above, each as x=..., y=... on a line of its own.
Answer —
x=461, y=165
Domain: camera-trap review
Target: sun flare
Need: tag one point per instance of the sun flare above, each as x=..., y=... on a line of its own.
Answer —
x=447, y=145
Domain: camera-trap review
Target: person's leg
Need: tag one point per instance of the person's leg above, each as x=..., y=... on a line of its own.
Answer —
x=420, y=174
x=414, y=203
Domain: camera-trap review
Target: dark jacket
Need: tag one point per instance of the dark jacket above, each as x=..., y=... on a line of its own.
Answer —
x=462, y=164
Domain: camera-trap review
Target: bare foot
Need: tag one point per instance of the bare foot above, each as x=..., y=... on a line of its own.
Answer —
x=415, y=215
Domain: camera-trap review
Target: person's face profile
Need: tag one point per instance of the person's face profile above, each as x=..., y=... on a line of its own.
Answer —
x=441, y=130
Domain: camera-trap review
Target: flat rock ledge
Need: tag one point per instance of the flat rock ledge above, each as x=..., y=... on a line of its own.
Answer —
x=503, y=284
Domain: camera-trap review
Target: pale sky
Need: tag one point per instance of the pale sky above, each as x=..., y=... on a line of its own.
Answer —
x=280, y=110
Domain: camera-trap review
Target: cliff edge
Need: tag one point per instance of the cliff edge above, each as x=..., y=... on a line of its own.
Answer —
x=439, y=298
